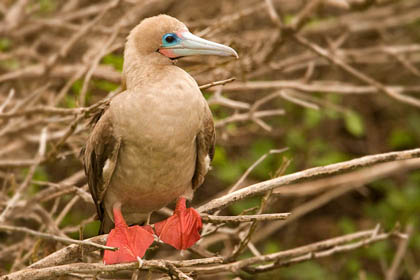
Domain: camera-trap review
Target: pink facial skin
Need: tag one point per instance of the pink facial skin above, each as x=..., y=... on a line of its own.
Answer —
x=167, y=52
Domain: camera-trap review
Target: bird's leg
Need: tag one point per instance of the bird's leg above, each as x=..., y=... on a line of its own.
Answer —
x=148, y=218
x=182, y=229
x=132, y=242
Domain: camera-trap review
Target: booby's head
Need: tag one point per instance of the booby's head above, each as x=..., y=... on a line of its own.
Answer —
x=170, y=38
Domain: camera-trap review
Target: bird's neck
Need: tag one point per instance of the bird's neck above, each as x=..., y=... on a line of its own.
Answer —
x=139, y=69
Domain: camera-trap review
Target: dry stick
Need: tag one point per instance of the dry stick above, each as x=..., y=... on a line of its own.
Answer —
x=44, y=110
x=258, y=104
x=289, y=96
x=246, y=116
x=252, y=190
x=50, y=110
x=392, y=272
x=102, y=52
x=69, y=253
x=250, y=230
x=8, y=99
x=54, y=237
x=63, y=92
x=356, y=73
x=22, y=188
x=345, y=184
x=272, y=12
x=206, y=229
x=86, y=27
x=73, y=125
x=296, y=24
x=317, y=250
x=356, y=177
x=228, y=20
x=173, y=270
x=95, y=268
x=83, y=113
x=322, y=254
x=303, y=209
x=317, y=86
x=252, y=167
x=218, y=98
x=299, y=251
x=70, y=130
x=66, y=210
x=217, y=83
x=404, y=62
x=244, y=218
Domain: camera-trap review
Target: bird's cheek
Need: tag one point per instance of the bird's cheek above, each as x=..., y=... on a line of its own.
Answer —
x=167, y=52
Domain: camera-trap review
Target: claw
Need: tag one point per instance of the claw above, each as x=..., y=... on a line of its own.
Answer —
x=140, y=262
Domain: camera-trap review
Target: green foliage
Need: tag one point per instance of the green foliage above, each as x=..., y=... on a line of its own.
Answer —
x=288, y=18
x=346, y=225
x=312, y=118
x=40, y=175
x=225, y=168
x=77, y=86
x=378, y=250
x=295, y=139
x=5, y=44
x=323, y=153
x=259, y=148
x=354, y=123
x=70, y=101
x=47, y=6
x=10, y=64
x=91, y=229
x=309, y=270
x=401, y=138
x=242, y=205
x=105, y=85
x=271, y=246
x=400, y=202
x=115, y=60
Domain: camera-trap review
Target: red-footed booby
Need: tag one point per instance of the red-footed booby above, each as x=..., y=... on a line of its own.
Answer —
x=154, y=143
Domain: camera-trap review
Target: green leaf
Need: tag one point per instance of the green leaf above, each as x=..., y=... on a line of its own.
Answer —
x=401, y=138
x=312, y=118
x=271, y=246
x=354, y=124
x=244, y=204
x=105, y=85
x=77, y=86
x=5, y=44
x=114, y=60
x=347, y=225
x=307, y=271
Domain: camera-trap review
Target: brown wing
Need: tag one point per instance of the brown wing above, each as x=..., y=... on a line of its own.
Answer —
x=100, y=157
x=205, y=142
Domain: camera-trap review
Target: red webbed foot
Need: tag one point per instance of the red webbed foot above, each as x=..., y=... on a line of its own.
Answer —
x=182, y=229
x=132, y=242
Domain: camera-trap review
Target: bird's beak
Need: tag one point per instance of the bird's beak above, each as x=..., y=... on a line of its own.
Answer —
x=190, y=44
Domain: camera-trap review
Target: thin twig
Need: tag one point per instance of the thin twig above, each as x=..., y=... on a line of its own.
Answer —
x=54, y=237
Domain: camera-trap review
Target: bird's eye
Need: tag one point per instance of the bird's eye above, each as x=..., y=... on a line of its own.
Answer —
x=169, y=38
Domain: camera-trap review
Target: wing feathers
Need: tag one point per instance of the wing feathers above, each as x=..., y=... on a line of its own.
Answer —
x=100, y=158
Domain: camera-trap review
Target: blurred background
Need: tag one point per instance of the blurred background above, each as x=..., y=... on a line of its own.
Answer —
x=57, y=58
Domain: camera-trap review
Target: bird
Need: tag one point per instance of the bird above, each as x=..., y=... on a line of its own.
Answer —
x=154, y=142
